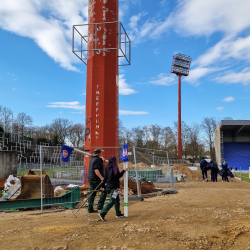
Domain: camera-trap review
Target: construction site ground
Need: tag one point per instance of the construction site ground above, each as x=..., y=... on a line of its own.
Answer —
x=201, y=216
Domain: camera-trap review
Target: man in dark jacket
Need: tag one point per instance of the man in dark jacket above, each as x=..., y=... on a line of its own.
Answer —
x=214, y=170
x=111, y=182
x=203, y=166
x=95, y=176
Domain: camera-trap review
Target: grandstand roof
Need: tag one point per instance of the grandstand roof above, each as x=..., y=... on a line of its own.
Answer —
x=235, y=124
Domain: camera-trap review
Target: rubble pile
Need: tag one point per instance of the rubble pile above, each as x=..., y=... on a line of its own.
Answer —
x=2, y=181
x=146, y=187
x=189, y=173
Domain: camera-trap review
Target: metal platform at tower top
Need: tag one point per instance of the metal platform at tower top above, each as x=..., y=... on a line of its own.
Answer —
x=80, y=41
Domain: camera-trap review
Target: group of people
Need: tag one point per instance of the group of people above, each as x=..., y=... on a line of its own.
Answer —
x=214, y=170
x=108, y=182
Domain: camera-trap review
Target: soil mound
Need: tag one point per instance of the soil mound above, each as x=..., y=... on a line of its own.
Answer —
x=146, y=187
x=141, y=165
x=189, y=173
x=130, y=164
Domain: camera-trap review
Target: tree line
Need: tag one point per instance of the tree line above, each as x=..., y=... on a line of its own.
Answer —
x=197, y=138
x=59, y=131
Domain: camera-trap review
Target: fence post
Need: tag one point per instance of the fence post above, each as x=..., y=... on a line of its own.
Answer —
x=76, y=171
x=249, y=173
x=53, y=171
x=168, y=162
x=19, y=167
x=41, y=166
x=240, y=174
x=136, y=173
x=172, y=178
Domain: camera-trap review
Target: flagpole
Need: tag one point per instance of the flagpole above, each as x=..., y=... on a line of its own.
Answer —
x=125, y=164
x=85, y=153
x=11, y=126
x=4, y=126
x=18, y=128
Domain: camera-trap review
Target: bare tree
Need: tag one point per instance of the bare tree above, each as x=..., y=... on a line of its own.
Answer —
x=76, y=134
x=138, y=134
x=7, y=118
x=155, y=131
x=121, y=132
x=208, y=125
x=25, y=122
x=61, y=129
x=167, y=137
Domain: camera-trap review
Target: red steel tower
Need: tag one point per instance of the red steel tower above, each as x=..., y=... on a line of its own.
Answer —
x=180, y=66
x=102, y=46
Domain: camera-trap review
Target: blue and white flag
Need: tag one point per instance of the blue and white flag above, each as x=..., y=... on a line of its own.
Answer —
x=66, y=152
x=124, y=153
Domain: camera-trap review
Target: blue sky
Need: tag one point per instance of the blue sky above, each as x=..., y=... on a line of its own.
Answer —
x=39, y=75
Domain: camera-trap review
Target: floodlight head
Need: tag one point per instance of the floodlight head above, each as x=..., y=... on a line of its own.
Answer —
x=181, y=64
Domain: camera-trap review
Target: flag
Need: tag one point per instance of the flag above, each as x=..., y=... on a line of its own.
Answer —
x=124, y=153
x=66, y=152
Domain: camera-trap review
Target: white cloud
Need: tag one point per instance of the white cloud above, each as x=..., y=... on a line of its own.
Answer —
x=13, y=89
x=227, y=48
x=123, y=112
x=156, y=51
x=231, y=77
x=76, y=112
x=48, y=23
x=220, y=108
x=133, y=22
x=228, y=99
x=67, y=105
x=124, y=88
x=83, y=94
x=197, y=73
x=196, y=17
x=163, y=79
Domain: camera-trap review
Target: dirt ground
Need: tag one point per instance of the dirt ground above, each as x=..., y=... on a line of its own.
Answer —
x=201, y=216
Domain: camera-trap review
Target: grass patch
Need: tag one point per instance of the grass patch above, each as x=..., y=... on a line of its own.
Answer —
x=68, y=172
x=244, y=177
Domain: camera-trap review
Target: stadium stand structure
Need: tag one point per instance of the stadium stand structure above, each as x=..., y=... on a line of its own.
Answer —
x=232, y=142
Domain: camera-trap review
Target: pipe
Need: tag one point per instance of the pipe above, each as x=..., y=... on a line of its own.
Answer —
x=85, y=153
x=179, y=118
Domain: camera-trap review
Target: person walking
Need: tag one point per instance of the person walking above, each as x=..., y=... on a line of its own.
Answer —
x=95, y=177
x=214, y=170
x=224, y=167
x=203, y=166
x=111, y=182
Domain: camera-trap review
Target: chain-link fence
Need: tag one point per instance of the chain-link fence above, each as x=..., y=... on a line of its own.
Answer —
x=66, y=184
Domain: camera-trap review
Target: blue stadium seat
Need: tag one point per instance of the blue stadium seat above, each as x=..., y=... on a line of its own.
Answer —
x=237, y=154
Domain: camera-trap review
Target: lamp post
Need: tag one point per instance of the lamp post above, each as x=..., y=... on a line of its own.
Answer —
x=180, y=66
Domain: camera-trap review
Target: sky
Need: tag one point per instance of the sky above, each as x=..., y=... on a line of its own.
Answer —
x=39, y=74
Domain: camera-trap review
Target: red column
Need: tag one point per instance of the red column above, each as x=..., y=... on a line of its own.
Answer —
x=179, y=118
x=102, y=79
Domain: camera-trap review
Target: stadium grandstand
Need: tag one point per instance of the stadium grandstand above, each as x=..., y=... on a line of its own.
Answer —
x=232, y=142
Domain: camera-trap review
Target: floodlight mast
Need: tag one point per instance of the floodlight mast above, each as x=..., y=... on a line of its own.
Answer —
x=180, y=66
x=101, y=44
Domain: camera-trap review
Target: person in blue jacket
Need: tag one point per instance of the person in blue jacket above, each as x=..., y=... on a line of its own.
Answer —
x=203, y=166
x=224, y=166
x=214, y=170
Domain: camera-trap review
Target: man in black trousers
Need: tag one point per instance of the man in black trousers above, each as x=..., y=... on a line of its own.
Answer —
x=214, y=170
x=96, y=176
x=203, y=166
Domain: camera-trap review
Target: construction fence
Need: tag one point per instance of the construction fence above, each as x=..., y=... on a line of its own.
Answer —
x=66, y=184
